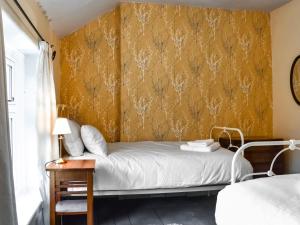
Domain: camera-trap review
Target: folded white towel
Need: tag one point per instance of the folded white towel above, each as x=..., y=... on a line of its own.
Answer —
x=213, y=147
x=201, y=143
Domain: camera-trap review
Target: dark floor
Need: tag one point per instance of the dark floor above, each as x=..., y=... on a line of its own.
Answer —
x=151, y=211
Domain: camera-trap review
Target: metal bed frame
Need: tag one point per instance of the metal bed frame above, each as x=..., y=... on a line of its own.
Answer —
x=203, y=188
x=292, y=146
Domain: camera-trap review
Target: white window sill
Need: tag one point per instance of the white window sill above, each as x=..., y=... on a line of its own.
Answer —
x=27, y=205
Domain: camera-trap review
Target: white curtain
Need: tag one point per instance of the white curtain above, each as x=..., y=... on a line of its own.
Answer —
x=8, y=213
x=46, y=115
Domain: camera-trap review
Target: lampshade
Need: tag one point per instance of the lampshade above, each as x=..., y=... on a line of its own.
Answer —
x=61, y=126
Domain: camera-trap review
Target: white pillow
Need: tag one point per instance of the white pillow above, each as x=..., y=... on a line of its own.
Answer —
x=72, y=142
x=93, y=140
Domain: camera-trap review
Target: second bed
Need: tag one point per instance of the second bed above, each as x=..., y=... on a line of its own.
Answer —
x=151, y=167
x=265, y=201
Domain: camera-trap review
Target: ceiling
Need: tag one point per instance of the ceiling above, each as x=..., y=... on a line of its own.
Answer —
x=67, y=16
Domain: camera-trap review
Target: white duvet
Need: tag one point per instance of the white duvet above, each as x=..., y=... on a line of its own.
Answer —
x=152, y=165
x=264, y=201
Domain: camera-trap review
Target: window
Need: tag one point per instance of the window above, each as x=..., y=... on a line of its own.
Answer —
x=12, y=131
x=11, y=101
x=9, y=79
x=21, y=77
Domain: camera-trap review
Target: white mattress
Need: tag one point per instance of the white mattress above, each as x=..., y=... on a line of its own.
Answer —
x=264, y=201
x=152, y=165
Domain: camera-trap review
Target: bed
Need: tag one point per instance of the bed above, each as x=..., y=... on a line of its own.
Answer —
x=145, y=166
x=264, y=201
x=272, y=200
x=161, y=167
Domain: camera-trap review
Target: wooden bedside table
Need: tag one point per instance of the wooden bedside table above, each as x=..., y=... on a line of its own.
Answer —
x=72, y=174
x=260, y=157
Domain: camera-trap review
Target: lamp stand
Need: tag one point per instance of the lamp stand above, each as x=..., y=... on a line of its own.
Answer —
x=60, y=160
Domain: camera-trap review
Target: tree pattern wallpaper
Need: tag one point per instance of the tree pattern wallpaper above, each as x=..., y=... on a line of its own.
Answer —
x=90, y=68
x=170, y=72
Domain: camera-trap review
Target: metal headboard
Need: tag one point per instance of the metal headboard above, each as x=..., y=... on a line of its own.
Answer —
x=225, y=130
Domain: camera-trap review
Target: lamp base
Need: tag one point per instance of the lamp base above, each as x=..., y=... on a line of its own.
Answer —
x=60, y=161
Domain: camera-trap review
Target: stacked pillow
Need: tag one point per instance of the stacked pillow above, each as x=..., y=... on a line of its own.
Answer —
x=87, y=136
x=72, y=142
x=93, y=140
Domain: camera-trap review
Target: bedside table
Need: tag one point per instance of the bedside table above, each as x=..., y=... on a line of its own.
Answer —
x=74, y=174
x=260, y=157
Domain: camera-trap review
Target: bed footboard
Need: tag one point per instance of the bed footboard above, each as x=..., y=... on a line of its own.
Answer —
x=292, y=145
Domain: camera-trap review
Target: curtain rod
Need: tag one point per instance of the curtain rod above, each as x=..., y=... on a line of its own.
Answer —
x=32, y=25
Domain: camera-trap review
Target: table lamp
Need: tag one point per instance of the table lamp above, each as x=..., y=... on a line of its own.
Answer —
x=61, y=128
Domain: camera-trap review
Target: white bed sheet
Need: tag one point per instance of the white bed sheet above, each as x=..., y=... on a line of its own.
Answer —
x=265, y=201
x=152, y=165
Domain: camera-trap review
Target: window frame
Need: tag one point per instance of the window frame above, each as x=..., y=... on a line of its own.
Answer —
x=10, y=80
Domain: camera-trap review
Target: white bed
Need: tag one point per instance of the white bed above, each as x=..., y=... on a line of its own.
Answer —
x=274, y=200
x=265, y=201
x=161, y=165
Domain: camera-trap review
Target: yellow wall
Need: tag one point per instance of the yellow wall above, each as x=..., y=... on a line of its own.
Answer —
x=90, y=67
x=201, y=67
x=285, y=48
x=182, y=69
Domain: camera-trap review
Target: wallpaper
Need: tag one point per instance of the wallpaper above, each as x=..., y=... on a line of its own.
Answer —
x=170, y=72
x=90, y=66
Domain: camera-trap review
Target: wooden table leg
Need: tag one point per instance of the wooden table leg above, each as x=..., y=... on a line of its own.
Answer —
x=90, y=199
x=52, y=198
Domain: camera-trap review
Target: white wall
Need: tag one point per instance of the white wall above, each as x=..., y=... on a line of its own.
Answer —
x=285, y=30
